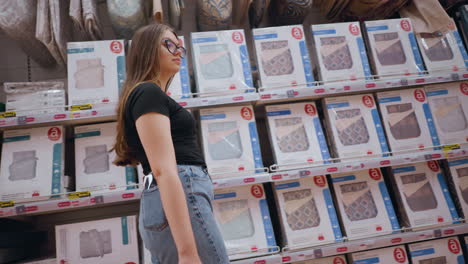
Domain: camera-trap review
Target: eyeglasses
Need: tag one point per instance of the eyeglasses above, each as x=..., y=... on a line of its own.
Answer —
x=172, y=48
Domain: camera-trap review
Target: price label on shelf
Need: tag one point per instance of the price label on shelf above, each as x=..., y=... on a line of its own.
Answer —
x=81, y=107
x=447, y=148
x=77, y=195
x=8, y=114
x=6, y=204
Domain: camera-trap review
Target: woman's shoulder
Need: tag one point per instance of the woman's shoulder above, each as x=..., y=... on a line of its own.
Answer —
x=148, y=87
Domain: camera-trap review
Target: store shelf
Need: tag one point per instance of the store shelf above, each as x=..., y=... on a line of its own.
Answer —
x=272, y=259
x=368, y=163
x=236, y=98
x=323, y=90
x=374, y=242
x=241, y=180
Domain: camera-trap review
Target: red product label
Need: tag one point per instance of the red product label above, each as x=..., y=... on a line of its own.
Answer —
x=354, y=29
x=320, y=181
x=396, y=240
x=405, y=25
x=420, y=95
x=384, y=162
x=237, y=37
x=277, y=177
x=297, y=33
x=260, y=262
x=310, y=109
x=246, y=113
x=60, y=116
x=375, y=174
x=368, y=101
x=257, y=191
x=338, y=260
x=247, y=180
x=454, y=246
x=464, y=88
x=116, y=46
x=332, y=169
x=342, y=249
x=399, y=255
x=433, y=165
x=128, y=195
x=54, y=133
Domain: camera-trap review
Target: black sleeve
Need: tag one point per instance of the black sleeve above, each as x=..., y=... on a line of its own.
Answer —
x=148, y=98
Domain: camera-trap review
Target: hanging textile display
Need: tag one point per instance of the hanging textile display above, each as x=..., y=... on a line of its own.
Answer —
x=176, y=10
x=84, y=16
x=18, y=21
x=214, y=14
x=257, y=11
x=127, y=16
x=158, y=14
x=240, y=11
x=289, y=12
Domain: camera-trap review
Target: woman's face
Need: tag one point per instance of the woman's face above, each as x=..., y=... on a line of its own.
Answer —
x=170, y=62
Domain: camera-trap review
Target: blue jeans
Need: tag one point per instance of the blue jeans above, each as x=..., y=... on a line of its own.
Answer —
x=154, y=227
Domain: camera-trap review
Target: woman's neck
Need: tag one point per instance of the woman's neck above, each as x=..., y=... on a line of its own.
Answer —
x=162, y=80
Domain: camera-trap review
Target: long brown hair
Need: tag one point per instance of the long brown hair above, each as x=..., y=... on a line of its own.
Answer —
x=142, y=65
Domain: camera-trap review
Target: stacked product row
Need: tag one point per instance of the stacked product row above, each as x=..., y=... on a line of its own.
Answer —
x=96, y=69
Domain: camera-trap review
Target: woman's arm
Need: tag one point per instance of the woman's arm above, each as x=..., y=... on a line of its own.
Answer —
x=155, y=135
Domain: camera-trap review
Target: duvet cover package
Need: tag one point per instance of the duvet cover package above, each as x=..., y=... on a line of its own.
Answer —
x=282, y=57
x=244, y=220
x=438, y=251
x=340, y=51
x=449, y=106
x=458, y=181
x=112, y=240
x=307, y=213
x=32, y=163
x=443, y=52
x=221, y=62
x=393, y=48
x=93, y=160
x=408, y=120
x=296, y=134
x=96, y=71
x=354, y=126
x=340, y=259
x=388, y=255
x=423, y=195
x=230, y=141
x=364, y=204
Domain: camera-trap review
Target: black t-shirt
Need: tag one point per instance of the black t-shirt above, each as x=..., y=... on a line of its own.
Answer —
x=147, y=98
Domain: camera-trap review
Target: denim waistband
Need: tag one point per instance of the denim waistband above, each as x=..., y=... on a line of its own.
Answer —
x=149, y=179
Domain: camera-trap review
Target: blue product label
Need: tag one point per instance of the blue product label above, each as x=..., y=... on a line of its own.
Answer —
x=363, y=55
x=337, y=105
x=332, y=214
x=57, y=168
x=321, y=140
x=367, y=261
x=460, y=260
x=88, y=134
x=422, y=252
x=380, y=131
x=448, y=198
x=184, y=78
x=270, y=235
x=389, y=206
x=82, y=50
x=124, y=222
x=204, y=40
x=265, y=36
x=287, y=185
x=404, y=169
x=431, y=125
x=344, y=178
x=17, y=138
x=324, y=32
x=458, y=162
x=436, y=93
x=130, y=177
x=120, y=72
x=389, y=99
x=225, y=195
x=461, y=47
x=213, y=116
x=279, y=113
x=417, y=55
x=377, y=28
x=306, y=63
x=257, y=155
x=246, y=66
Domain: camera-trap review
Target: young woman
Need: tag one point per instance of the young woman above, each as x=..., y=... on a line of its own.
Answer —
x=176, y=220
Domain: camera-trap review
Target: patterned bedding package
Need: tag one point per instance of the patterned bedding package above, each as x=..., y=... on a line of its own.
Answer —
x=394, y=49
x=449, y=106
x=221, y=62
x=389, y=255
x=307, y=213
x=340, y=51
x=340, y=259
x=423, y=195
x=458, y=181
x=364, y=204
x=354, y=126
x=282, y=57
x=439, y=251
x=296, y=134
x=408, y=120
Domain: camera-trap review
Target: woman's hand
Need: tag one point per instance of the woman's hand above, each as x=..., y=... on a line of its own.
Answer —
x=195, y=259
